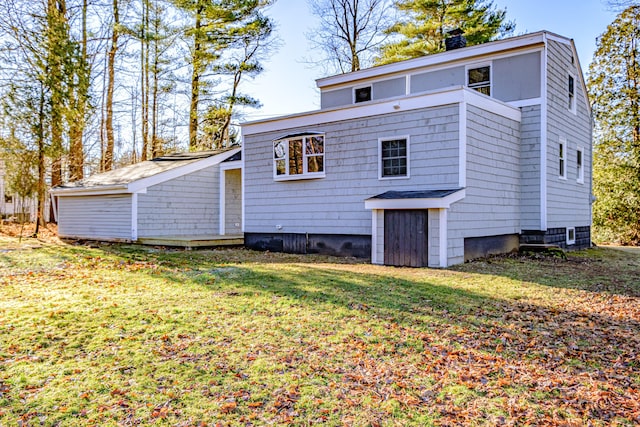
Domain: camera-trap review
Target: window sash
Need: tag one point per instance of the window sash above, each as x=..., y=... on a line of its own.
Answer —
x=299, y=156
x=579, y=165
x=480, y=79
x=562, y=170
x=394, y=158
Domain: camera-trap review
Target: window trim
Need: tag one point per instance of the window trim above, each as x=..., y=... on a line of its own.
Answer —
x=473, y=67
x=572, y=97
x=355, y=88
x=562, y=158
x=393, y=138
x=580, y=165
x=571, y=230
x=305, y=174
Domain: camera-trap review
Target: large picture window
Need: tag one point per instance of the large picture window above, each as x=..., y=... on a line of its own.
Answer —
x=394, y=157
x=299, y=156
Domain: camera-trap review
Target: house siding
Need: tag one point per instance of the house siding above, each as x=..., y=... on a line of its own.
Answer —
x=184, y=206
x=568, y=202
x=530, y=167
x=514, y=77
x=106, y=217
x=335, y=204
x=491, y=206
x=517, y=77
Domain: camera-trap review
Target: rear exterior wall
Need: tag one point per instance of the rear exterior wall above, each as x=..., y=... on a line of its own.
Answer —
x=105, y=217
x=184, y=206
x=568, y=200
x=491, y=206
x=335, y=204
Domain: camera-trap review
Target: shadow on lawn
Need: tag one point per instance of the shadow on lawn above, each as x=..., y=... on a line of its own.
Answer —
x=559, y=357
x=606, y=270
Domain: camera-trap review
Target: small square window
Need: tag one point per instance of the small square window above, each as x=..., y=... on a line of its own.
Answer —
x=571, y=236
x=363, y=94
x=394, y=158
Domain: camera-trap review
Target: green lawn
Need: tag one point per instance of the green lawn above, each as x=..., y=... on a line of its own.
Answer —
x=125, y=335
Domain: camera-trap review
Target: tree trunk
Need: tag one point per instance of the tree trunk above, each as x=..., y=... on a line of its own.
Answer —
x=195, y=83
x=78, y=117
x=41, y=186
x=156, y=149
x=144, y=64
x=107, y=161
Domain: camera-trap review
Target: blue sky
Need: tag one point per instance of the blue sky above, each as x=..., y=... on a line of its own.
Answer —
x=288, y=84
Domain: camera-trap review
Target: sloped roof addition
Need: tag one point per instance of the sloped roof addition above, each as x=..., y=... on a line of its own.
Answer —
x=122, y=178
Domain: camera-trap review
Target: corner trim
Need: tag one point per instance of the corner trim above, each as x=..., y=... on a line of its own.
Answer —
x=443, y=237
x=134, y=217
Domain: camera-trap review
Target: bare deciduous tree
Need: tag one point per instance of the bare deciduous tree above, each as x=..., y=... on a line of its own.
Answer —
x=349, y=32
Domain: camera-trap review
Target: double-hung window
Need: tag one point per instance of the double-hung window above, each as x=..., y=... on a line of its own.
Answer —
x=394, y=157
x=479, y=78
x=562, y=158
x=572, y=94
x=299, y=156
x=580, y=165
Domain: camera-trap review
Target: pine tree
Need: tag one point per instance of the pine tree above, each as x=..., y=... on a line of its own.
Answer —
x=217, y=27
x=614, y=87
x=425, y=23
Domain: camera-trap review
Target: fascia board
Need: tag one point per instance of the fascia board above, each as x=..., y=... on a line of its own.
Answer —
x=144, y=183
x=431, y=203
x=435, y=59
x=93, y=191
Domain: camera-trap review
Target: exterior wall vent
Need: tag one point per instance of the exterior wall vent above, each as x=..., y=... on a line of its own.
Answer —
x=455, y=40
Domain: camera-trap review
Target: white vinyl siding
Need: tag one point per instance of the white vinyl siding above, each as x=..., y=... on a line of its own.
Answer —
x=106, y=217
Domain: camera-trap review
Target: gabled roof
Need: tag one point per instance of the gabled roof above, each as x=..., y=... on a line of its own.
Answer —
x=137, y=177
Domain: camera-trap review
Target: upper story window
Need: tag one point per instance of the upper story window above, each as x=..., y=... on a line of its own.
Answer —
x=579, y=165
x=299, y=156
x=362, y=94
x=479, y=78
x=562, y=162
x=394, y=157
x=571, y=94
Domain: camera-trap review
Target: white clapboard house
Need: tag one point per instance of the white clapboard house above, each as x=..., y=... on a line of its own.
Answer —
x=430, y=161
x=187, y=199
